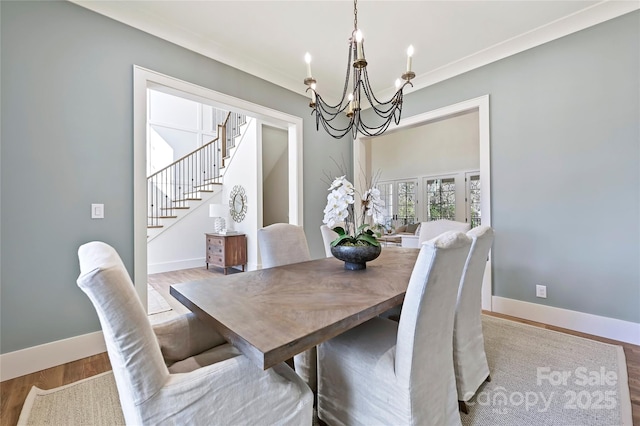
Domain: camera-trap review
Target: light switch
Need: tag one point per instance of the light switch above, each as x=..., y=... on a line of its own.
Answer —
x=97, y=211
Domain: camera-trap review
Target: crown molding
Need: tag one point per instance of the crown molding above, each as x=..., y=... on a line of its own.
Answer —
x=585, y=18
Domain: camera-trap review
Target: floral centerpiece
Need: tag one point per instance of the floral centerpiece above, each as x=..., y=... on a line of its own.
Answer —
x=358, y=222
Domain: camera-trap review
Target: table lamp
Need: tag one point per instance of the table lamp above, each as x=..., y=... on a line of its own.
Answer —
x=219, y=212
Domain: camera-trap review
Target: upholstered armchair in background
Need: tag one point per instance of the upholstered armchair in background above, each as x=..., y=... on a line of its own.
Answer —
x=217, y=385
x=469, y=358
x=432, y=229
x=282, y=244
x=387, y=373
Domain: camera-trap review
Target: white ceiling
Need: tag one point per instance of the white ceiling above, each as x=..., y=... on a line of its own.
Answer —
x=269, y=38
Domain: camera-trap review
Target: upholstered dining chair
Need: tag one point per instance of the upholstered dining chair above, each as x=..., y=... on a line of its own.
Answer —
x=328, y=235
x=387, y=373
x=469, y=358
x=432, y=229
x=283, y=244
x=171, y=377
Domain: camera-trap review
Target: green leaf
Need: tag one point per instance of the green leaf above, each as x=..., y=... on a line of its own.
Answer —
x=339, y=230
x=341, y=239
x=363, y=226
x=369, y=239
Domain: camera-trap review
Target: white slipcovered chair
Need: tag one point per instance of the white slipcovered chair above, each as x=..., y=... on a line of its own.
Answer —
x=328, y=235
x=431, y=229
x=387, y=373
x=469, y=358
x=283, y=244
x=157, y=385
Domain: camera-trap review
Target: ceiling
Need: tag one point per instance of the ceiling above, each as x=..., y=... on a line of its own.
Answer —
x=269, y=38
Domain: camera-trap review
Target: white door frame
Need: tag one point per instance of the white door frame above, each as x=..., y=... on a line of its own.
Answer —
x=361, y=161
x=142, y=80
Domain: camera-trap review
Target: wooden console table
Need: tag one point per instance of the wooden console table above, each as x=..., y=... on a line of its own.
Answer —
x=225, y=251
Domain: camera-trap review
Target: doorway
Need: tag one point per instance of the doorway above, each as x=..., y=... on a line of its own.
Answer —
x=145, y=79
x=362, y=161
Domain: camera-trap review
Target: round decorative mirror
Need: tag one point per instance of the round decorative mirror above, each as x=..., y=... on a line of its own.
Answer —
x=238, y=203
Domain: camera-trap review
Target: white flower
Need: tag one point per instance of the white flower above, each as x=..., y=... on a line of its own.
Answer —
x=341, y=206
x=337, y=182
x=374, y=205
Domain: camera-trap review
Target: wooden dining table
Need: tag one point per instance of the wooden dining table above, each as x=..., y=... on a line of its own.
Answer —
x=272, y=314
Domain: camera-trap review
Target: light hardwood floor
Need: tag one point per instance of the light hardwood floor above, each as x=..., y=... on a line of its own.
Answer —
x=13, y=392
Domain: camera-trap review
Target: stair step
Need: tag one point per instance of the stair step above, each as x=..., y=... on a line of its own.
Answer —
x=175, y=208
x=197, y=191
x=162, y=217
x=154, y=226
x=187, y=199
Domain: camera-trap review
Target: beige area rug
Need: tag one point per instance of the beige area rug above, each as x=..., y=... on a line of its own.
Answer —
x=89, y=402
x=543, y=377
x=539, y=377
x=156, y=303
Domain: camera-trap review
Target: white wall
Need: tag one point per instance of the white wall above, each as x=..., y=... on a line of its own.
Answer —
x=443, y=146
x=182, y=246
x=246, y=170
x=178, y=126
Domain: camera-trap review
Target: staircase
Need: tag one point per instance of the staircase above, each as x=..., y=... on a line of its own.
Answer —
x=192, y=180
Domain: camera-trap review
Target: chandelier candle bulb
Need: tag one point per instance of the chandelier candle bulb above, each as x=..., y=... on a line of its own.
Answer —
x=409, y=56
x=359, y=52
x=307, y=59
x=350, y=109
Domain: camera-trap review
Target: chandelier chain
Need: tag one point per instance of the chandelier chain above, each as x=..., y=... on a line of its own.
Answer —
x=355, y=15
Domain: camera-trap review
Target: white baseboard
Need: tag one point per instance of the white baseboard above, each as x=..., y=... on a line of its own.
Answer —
x=611, y=328
x=176, y=265
x=36, y=358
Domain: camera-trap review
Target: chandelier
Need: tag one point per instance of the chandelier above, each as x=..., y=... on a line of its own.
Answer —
x=352, y=94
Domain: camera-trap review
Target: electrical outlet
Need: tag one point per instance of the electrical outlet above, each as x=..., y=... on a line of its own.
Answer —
x=541, y=291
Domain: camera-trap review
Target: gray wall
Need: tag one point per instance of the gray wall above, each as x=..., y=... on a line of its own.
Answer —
x=275, y=176
x=67, y=126
x=565, y=160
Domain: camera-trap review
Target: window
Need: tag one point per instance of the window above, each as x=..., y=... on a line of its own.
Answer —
x=454, y=196
x=441, y=199
x=473, y=198
x=401, y=201
x=386, y=194
x=407, y=202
